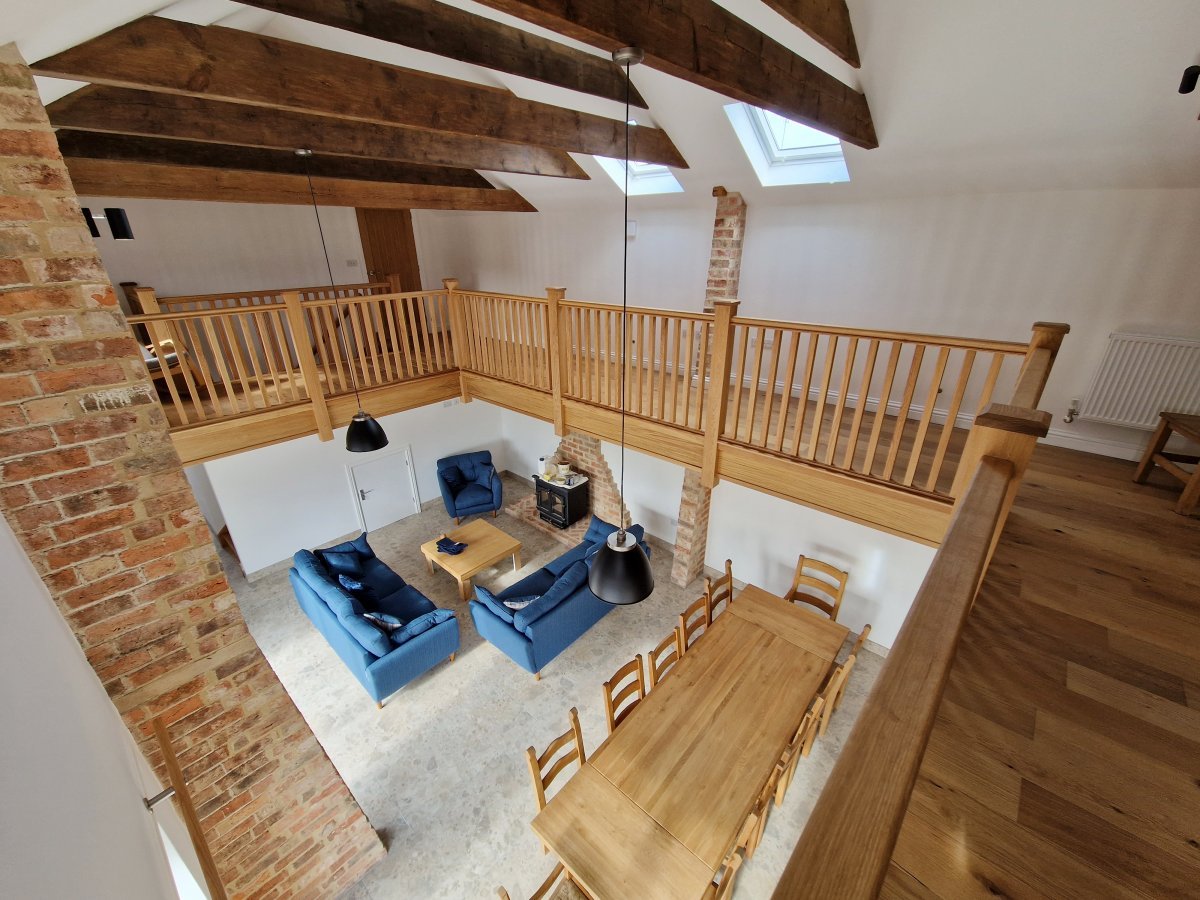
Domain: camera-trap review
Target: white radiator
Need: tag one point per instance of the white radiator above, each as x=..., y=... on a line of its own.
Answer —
x=1142, y=375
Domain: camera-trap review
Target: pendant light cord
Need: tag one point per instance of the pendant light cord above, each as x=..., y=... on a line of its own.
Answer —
x=624, y=296
x=341, y=316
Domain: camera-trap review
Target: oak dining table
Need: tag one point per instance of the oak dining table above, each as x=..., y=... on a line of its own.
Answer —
x=657, y=807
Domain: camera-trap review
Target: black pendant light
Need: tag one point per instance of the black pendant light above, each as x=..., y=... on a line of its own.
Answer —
x=621, y=572
x=364, y=433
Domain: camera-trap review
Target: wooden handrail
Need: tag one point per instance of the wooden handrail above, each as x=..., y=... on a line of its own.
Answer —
x=642, y=310
x=847, y=844
x=208, y=866
x=272, y=292
x=176, y=315
x=911, y=337
x=485, y=295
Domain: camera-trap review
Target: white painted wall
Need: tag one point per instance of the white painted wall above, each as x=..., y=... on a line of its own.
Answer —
x=190, y=247
x=206, y=499
x=73, y=823
x=278, y=499
x=763, y=535
x=983, y=265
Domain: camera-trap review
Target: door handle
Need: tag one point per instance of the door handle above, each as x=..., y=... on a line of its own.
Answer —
x=362, y=495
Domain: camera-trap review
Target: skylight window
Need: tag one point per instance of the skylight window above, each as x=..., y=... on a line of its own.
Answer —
x=644, y=178
x=786, y=152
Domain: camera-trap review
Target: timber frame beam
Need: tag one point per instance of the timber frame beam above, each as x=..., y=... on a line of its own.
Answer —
x=825, y=21
x=703, y=43
x=226, y=64
x=113, y=110
x=117, y=178
x=455, y=33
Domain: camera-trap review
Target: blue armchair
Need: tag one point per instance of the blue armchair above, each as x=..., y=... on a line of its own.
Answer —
x=470, y=484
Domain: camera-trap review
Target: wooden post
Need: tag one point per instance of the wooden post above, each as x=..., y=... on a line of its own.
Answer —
x=1039, y=360
x=558, y=356
x=458, y=335
x=308, y=364
x=718, y=387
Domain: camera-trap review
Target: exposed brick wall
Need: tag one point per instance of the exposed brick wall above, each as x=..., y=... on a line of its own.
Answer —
x=725, y=258
x=691, y=536
x=93, y=488
x=583, y=452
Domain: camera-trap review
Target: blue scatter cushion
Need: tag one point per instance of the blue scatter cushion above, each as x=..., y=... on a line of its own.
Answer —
x=385, y=623
x=598, y=530
x=342, y=563
x=485, y=474
x=493, y=604
x=519, y=602
x=568, y=583
x=420, y=625
x=453, y=476
x=357, y=588
x=359, y=545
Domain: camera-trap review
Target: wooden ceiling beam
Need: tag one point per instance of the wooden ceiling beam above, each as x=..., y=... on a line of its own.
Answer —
x=97, y=145
x=237, y=66
x=150, y=114
x=701, y=42
x=156, y=181
x=455, y=33
x=825, y=21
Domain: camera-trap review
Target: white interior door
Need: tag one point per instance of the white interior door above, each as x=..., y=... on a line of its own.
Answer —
x=384, y=489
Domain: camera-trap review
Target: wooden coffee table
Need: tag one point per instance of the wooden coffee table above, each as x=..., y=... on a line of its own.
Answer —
x=486, y=546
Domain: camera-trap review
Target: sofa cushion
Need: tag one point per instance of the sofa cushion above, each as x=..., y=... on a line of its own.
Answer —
x=359, y=590
x=598, y=531
x=339, y=563
x=484, y=477
x=382, y=579
x=453, y=476
x=350, y=615
x=359, y=545
x=405, y=604
x=493, y=604
x=557, y=566
x=473, y=495
x=568, y=583
x=420, y=625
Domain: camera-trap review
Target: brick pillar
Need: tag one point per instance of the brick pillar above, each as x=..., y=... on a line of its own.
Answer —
x=725, y=259
x=691, y=536
x=93, y=488
x=585, y=455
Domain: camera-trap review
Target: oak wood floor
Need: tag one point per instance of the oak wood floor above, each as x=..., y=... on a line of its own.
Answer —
x=1065, y=761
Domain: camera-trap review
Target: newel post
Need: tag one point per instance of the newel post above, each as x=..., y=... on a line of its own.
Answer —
x=459, y=338
x=558, y=355
x=302, y=341
x=1039, y=360
x=718, y=386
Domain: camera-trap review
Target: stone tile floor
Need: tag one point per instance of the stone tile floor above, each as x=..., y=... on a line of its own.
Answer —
x=440, y=770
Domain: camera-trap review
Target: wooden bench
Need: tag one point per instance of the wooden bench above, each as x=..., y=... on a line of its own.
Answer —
x=1188, y=427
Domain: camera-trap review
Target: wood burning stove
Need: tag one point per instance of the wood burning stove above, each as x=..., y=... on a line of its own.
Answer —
x=560, y=504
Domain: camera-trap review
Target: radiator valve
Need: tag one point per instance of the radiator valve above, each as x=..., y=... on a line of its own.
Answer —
x=1072, y=411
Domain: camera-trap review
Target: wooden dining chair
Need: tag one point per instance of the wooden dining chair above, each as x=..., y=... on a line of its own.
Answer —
x=800, y=745
x=622, y=695
x=719, y=592
x=721, y=887
x=549, y=765
x=836, y=699
x=819, y=585
x=663, y=657
x=756, y=823
x=693, y=622
x=559, y=881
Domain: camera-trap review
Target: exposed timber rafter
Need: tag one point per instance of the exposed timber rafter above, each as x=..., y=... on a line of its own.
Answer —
x=455, y=33
x=94, y=145
x=701, y=42
x=156, y=181
x=825, y=21
x=225, y=64
x=151, y=114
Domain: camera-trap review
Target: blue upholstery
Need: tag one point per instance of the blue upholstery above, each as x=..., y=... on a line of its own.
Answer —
x=567, y=584
x=380, y=666
x=533, y=640
x=470, y=484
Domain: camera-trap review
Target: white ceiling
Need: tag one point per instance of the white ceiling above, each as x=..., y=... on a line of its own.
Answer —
x=965, y=96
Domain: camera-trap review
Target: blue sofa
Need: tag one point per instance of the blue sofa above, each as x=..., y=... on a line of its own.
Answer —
x=560, y=609
x=382, y=663
x=470, y=484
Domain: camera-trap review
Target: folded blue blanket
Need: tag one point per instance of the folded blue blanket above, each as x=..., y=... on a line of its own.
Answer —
x=445, y=545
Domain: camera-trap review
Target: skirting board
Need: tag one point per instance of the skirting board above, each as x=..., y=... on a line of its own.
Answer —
x=1102, y=446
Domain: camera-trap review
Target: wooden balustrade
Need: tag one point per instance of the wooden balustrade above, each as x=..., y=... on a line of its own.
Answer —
x=269, y=296
x=886, y=406
x=507, y=337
